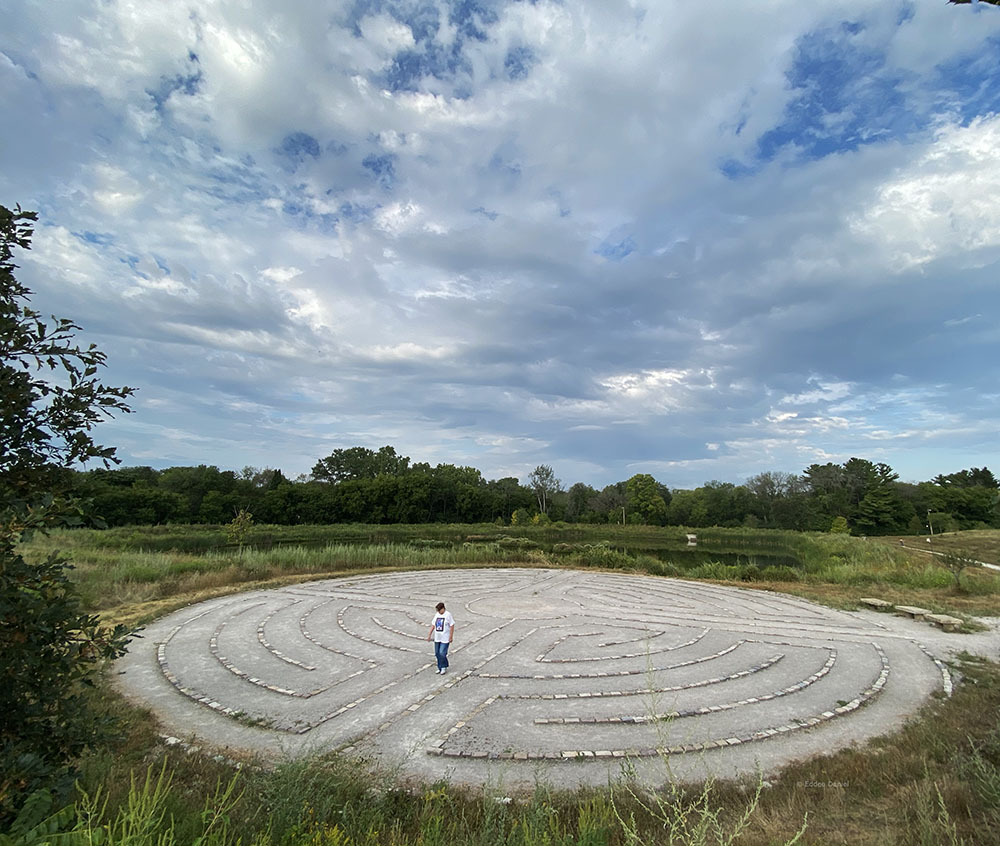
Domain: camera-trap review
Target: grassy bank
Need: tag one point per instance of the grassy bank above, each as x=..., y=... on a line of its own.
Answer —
x=980, y=544
x=131, y=574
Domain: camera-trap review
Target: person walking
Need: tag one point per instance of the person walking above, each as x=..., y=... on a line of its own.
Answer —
x=443, y=632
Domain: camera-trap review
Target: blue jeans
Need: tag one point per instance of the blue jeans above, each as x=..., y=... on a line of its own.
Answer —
x=441, y=653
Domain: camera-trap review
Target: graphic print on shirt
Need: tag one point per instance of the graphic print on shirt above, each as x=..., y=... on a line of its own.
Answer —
x=439, y=624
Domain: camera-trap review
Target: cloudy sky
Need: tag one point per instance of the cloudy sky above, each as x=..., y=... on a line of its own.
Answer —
x=693, y=240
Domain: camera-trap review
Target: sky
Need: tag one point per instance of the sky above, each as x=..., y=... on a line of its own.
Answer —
x=700, y=241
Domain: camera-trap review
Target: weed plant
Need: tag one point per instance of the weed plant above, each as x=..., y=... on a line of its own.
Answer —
x=937, y=781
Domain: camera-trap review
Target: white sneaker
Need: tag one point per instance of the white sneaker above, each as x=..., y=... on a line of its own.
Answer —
x=439, y=671
x=444, y=670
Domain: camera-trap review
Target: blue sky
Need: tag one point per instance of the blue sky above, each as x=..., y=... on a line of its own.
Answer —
x=613, y=238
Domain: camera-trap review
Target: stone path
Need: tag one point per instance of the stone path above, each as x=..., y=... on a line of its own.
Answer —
x=554, y=673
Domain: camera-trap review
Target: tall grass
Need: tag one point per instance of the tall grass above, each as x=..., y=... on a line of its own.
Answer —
x=332, y=801
x=109, y=579
x=937, y=781
x=127, y=567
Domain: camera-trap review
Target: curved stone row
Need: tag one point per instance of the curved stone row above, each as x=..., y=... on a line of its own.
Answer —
x=440, y=747
x=606, y=674
x=546, y=660
x=636, y=719
x=277, y=653
x=770, y=662
x=308, y=636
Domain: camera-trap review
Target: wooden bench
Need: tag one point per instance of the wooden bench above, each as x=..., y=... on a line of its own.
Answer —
x=877, y=604
x=945, y=621
x=913, y=611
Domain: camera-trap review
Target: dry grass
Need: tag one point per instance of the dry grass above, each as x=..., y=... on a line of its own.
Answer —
x=981, y=544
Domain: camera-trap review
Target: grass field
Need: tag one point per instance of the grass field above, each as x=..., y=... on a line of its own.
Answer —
x=935, y=782
x=131, y=575
x=983, y=545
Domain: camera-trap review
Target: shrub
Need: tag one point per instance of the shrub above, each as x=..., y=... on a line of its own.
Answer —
x=655, y=567
x=517, y=543
x=839, y=526
x=712, y=570
x=602, y=555
x=779, y=573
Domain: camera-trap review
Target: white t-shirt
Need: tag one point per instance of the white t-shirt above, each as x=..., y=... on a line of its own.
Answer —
x=443, y=624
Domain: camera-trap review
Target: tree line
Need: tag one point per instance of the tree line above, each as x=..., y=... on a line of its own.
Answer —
x=361, y=485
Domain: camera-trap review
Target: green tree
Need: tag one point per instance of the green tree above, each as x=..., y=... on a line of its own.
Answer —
x=882, y=509
x=981, y=477
x=771, y=492
x=281, y=504
x=646, y=503
x=956, y=562
x=866, y=493
x=360, y=463
x=727, y=504
x=608, y=504
x=50, y=400
x=828, y=489
x=520, y=517
x=136, y=506
x=508, y=494
x=240, y=528
x=45, y=424
x=875, y=514
x=542, y=480
x=688, y=508
x=195, y=484
x=578, y=501
x=839, y=526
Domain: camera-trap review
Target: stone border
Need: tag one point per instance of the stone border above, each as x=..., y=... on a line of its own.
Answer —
x=262, y=639
x=770, y=662
x=873, y=690
x=617, y=673
x=543, y=659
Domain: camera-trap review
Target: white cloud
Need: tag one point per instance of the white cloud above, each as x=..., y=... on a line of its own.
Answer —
x=406, y=352
x=386, y=34
x=943, y=204
x=823, y=392
x=115, y=190
x=238, y=203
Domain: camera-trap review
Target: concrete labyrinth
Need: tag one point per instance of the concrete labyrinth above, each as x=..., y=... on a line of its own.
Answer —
x=570, y=672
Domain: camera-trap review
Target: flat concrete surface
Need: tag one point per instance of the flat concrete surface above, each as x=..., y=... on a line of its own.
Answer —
x=565, y=676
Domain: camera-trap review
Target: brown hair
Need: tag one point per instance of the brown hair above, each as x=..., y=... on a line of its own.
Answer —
x=440, y=606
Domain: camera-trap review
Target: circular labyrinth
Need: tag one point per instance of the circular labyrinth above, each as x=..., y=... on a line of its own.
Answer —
x=572, y=671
